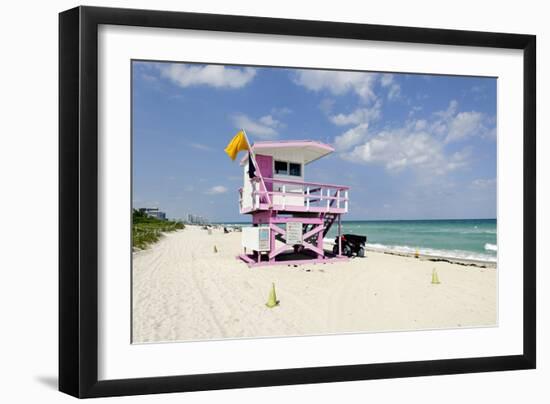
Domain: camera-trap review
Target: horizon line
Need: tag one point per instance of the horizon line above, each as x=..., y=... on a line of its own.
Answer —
x=378, y=220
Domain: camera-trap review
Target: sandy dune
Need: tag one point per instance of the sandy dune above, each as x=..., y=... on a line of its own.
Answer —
x=183, y=290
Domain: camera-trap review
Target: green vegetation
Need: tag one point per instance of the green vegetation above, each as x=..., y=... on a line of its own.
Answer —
x=147, y=230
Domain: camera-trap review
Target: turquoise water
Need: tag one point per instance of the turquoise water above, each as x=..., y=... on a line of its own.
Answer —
x=469, y=238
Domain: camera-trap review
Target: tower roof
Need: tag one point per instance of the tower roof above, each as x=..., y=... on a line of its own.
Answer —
x=311, y=150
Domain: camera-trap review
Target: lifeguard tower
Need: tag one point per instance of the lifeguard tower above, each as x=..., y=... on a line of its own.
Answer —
x=290, y=217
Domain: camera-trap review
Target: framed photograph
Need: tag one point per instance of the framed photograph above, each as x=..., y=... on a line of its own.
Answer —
x=251, y=201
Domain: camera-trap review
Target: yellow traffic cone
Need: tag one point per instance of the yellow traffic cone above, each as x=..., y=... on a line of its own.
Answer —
x=272, y=299
x=416, y=255
x=435, y=278
x=215, y=249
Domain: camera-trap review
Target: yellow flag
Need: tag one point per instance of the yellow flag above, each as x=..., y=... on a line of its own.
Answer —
x=236, y=144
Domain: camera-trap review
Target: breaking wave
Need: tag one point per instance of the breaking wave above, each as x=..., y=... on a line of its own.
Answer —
x=456, y=254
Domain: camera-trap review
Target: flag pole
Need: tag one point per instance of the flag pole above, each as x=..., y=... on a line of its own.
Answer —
x=253, y=156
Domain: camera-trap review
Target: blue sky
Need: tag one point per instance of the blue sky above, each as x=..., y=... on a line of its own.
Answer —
x=410, y=146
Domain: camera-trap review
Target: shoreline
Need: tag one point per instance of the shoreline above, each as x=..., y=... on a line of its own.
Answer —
x=437, y=258
x=429, y=257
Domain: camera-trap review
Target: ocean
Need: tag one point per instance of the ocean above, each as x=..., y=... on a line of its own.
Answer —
x=466, y=238
x=474, y=239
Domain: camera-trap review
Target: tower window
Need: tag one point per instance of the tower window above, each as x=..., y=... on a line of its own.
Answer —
x=281, y=167
x=286, y=168
x=295, y=169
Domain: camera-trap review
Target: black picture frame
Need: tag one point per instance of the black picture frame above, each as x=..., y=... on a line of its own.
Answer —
x=78, y=201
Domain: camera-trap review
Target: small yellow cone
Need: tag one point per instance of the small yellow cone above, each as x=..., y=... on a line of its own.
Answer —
x=215, y=249
x=416, y=255
x=435, y=278
x=272, y=299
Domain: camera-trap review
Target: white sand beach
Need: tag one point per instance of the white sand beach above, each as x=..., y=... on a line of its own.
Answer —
x=183, y=290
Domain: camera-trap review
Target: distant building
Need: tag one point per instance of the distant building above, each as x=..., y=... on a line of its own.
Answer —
x=153, y=212
x=195, y=219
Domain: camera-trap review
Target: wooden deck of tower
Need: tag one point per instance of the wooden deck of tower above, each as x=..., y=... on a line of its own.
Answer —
x=290, y=216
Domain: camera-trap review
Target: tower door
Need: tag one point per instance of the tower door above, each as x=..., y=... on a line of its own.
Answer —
x=265, y=166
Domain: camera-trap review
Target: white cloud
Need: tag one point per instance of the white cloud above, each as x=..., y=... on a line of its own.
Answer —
x=394, y=89
x=394, y=92
x=386, y=79
x=421, y=124
x=268, y=120
x=326, y=105
x=265, y=127
x=410, y=146
x=491, y=133
x=148, y=77
x=351, y=137
x=483, y=183
x=418, y=144
x=465, y=124
x=459, y=159
x=455, y=126
x=210, y=75
x=397, y=150
x=414, y=110
x=281, y=111
x=200, y=146
x=216, y=190
x=449, y=112
x=338, y=82
x=359, y=116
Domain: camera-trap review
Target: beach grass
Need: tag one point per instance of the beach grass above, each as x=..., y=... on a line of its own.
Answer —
x=148, y=230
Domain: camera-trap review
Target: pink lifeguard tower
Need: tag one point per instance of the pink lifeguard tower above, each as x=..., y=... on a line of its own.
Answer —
x=290, y=217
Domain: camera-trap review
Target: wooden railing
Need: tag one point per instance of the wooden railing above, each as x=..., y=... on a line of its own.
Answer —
x=286, y=194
